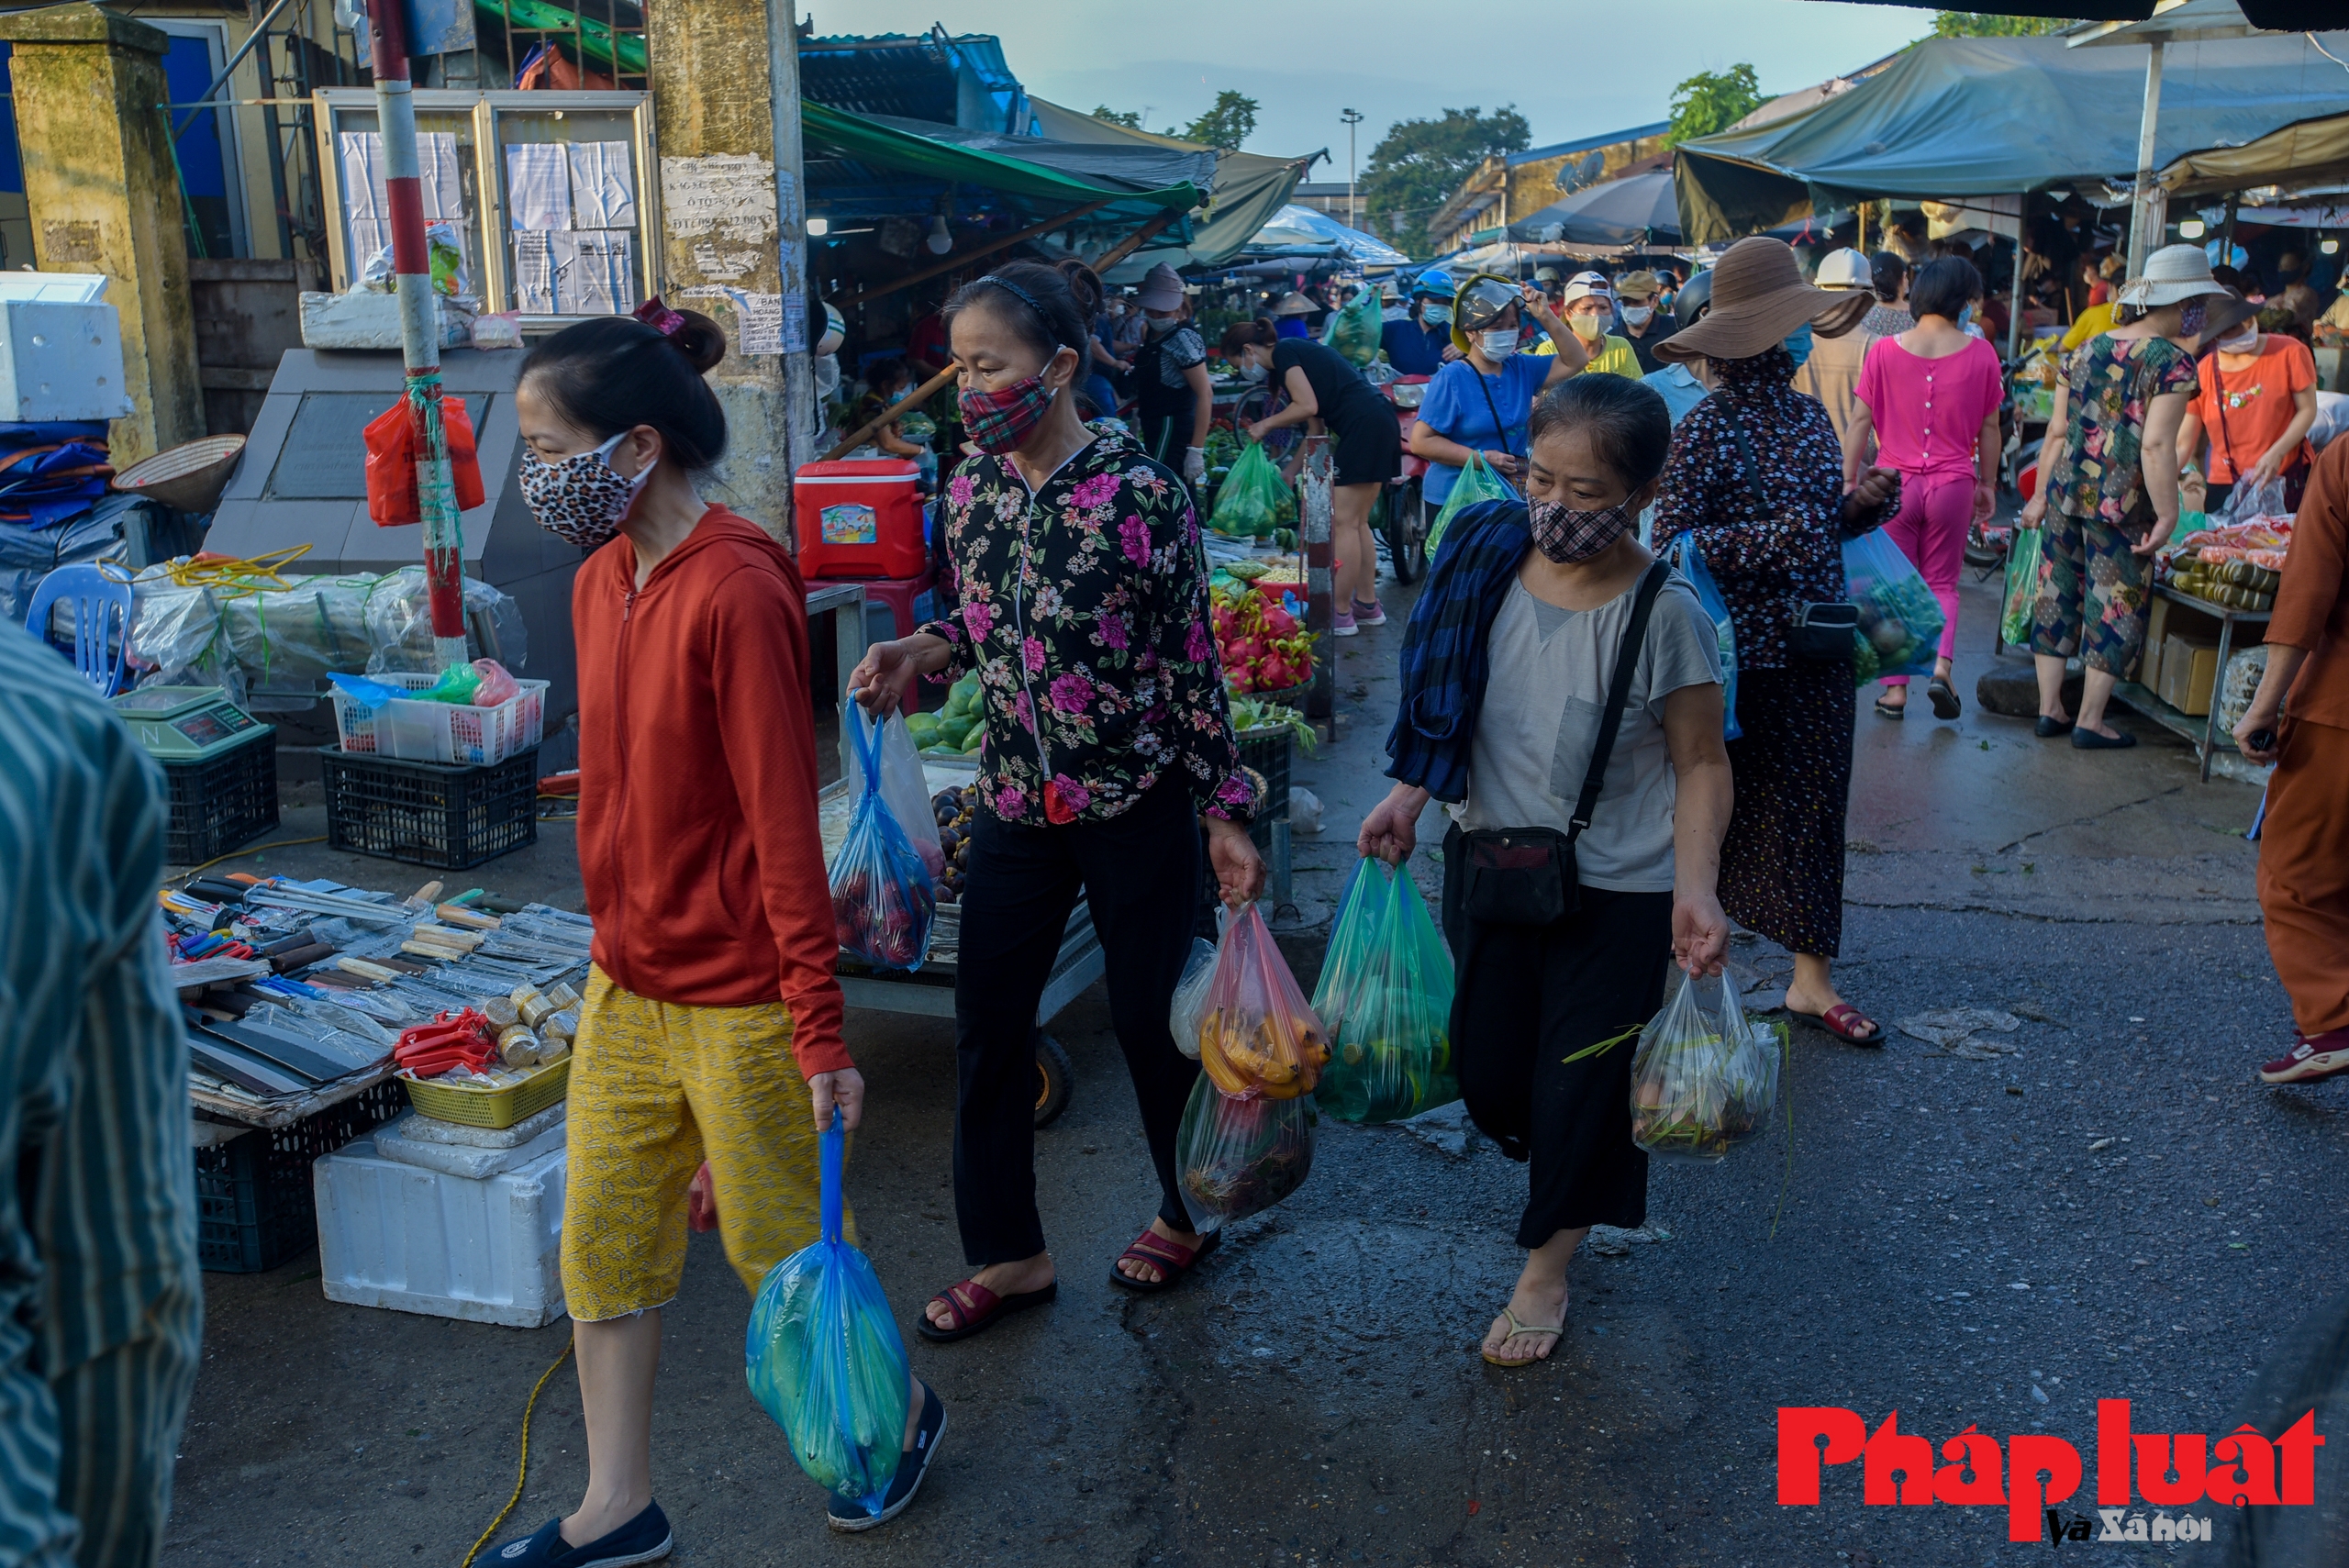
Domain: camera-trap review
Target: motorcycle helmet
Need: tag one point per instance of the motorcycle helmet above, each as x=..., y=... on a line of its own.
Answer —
x=835, y=331
x=1433, y=284
x=1693, y=299
x=1483, y=297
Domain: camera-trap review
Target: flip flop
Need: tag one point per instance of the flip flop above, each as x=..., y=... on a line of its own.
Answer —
x=1944, y=699
x=1171, y=1259
x=973, y=1307
x=1885, y=710
x=1846, y=1023
x=1515, y=1328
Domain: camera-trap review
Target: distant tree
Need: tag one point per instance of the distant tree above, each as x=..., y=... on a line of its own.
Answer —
x=1711, y=100
x=1225, y=126
x=1420, y=162
x=1116, y=117
x=1990, y=25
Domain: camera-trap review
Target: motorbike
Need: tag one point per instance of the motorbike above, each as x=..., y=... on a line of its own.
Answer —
x=1407, y=513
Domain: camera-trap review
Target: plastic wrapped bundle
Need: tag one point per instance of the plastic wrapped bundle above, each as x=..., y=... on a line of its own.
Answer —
x=884, y=897
x=399, y=624
x=1258, y=1035
x=1240, y=1154
x=1704, y=1079
x=825, y=1359
x=1385, y=993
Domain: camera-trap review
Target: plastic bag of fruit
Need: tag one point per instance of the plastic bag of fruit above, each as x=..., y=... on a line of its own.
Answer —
x=1899, y=619
x=1189, y=1007
x=883, y=894
x=1385, y=993
x=1258, y=1035
x=1254, y=499
x=904, y=788
x=1240, y=1154
x=1705, y=1076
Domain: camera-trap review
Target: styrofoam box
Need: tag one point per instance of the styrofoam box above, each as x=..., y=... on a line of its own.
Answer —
x=60, y=361
x=421, y=1240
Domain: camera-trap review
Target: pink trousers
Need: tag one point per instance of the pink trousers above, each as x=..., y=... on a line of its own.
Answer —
x=1935, y=509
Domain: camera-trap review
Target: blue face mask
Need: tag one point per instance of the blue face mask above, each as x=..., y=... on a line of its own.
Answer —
x=1966, y=319
x=1799, y=344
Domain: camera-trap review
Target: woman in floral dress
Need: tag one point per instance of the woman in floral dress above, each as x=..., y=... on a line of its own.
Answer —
x=2108, y=488
x=1078, y=592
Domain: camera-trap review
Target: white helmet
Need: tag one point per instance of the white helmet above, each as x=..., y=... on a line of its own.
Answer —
x=835, y=331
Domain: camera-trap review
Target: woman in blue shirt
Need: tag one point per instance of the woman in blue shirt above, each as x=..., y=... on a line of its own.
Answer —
x=1480, y=403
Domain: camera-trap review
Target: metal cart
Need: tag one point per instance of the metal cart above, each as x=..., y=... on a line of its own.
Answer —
x=929, y=992
x=2202, y=730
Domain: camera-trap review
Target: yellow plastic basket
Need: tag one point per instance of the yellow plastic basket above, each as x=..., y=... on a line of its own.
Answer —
x=474, y=1105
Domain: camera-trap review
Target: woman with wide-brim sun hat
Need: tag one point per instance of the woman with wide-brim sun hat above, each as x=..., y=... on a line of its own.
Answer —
x=1756, y=482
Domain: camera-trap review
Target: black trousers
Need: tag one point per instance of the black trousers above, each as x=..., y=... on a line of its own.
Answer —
x=1527, y=997
x=1139, y=873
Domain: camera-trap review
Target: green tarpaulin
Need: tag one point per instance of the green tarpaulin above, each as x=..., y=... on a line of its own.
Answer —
x=890, y=148
x=1249, y=188
x=1954, y=118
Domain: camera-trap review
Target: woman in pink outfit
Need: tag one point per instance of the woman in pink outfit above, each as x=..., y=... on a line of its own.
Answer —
x=1929, y=399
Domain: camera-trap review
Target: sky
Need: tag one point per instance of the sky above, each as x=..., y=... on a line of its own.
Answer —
x=1573, y=68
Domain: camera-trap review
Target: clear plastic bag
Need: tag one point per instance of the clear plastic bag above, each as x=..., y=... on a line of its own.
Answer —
x=1189, y=1008
x=904, y=789
x=1258, y=1035
x=884, y=897
x=825, y=1359
x=2022, y=588
x=1240, y=1154
x=1385, y=993
x=1901, y=621
x=1478, y=481
x=399, y=624
x=1704, y=1079
x=2245, y=502
x=1690, y=561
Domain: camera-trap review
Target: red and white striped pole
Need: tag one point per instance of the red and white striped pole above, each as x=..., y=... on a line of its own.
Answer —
x=436, y=491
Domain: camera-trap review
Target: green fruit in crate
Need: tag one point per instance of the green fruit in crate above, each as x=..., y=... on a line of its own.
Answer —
x=979, y=734
x=957, y=728
x=922, y=725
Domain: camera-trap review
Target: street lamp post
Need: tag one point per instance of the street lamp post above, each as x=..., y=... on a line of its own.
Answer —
x=1353, y=118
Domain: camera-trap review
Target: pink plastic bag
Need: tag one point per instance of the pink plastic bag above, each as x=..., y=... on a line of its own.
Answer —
x=496, y=683
x=1258, y=1036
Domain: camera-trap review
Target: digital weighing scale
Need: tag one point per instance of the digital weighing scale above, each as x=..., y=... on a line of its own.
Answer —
x=187, y=724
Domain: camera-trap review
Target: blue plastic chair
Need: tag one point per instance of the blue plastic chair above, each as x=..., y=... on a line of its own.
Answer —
x=102, y=610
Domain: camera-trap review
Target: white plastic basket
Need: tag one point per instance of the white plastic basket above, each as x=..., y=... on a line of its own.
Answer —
x=440, y=731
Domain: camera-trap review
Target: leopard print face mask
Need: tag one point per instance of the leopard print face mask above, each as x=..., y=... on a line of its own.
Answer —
x=581, y=499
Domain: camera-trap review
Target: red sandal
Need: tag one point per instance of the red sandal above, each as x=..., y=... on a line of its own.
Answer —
x=1171, y=1259
x=1847, y=1024
x=972, y=1306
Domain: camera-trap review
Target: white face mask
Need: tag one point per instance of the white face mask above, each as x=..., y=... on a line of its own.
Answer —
x=1251, y=370
x=1637, y=315
x=1498, y=345
x=2242, y=343
x=1587, y=327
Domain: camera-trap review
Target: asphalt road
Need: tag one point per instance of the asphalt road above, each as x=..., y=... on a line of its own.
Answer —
x=2114, y=1208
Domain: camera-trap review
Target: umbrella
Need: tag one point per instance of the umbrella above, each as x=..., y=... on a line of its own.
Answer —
x=1619, y=212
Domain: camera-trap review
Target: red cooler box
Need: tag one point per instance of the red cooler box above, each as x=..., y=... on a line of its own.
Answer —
x=859, y=519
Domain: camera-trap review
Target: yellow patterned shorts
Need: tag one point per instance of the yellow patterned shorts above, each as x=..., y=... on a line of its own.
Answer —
x=656, y=1089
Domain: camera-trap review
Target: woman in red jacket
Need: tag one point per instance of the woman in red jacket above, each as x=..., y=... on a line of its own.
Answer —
x=712, y=1018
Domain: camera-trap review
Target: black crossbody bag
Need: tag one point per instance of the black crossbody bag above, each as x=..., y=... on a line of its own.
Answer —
x=1525, y=876
x=1824, y=631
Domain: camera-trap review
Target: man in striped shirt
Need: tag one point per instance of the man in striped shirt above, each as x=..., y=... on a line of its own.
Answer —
x=101, y=1305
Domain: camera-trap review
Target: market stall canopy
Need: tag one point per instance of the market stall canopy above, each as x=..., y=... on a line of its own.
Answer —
x=1954, y=118
x=858, y=167
x=948, y=79
x=1299, y=230
x=2310, y=156
x=1629, y=211
x=1248, y=187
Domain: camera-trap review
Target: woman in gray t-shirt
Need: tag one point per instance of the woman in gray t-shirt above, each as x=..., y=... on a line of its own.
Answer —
x=1506, y=668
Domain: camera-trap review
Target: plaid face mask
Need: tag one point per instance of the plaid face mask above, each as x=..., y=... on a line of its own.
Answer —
x=997, y=422
x=1566, y=536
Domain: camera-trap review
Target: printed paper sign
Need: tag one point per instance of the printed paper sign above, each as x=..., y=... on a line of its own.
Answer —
x=761, y=318
x=729, y=195
x=795, y=323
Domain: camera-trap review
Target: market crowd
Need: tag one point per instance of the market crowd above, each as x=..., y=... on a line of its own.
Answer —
x=1629, y=680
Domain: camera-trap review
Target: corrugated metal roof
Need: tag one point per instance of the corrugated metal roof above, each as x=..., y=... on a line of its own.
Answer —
x=1609, y=139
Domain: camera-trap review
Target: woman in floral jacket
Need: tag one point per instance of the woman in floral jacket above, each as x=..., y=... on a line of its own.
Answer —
x=1078, y=592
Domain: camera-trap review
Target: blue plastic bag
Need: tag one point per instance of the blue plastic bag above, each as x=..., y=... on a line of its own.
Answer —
x=1690, y=561
x=825, y=1359
x=1901, y=621
x=883, y=894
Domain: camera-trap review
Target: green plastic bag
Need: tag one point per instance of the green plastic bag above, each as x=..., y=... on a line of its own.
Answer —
x=1355, y=329
x=1478, y=481
x=1385, y=995
x=1254, y=499
x=2022, y=588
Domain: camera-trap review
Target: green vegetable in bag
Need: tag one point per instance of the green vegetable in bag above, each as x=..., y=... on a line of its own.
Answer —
x=1355, y=329
x=1254, y=499
x=1385, y=994
x=1478, y=481
x=2023, y=587
x=1704, y=1079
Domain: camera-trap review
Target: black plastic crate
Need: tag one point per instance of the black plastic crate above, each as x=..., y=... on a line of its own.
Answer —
x=431, y=814
x=222, y=803
x=255, y=1207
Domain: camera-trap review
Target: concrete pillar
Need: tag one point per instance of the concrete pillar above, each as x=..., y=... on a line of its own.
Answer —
x=725, y=84
x=104, y=198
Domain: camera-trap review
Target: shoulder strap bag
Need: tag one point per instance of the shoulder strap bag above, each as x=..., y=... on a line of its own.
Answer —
x=1825, y=631
x=1525, y=876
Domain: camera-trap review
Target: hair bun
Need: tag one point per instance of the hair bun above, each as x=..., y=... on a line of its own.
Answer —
x=700, y=339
